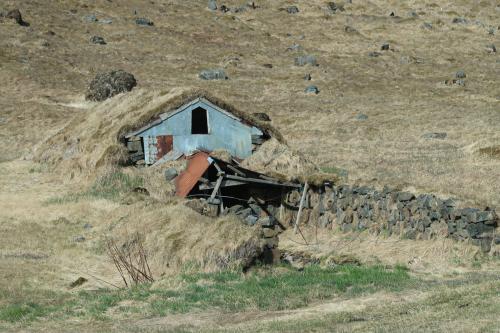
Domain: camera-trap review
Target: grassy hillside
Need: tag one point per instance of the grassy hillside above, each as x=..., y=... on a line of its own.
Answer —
x=373, y=118
x=45, y=69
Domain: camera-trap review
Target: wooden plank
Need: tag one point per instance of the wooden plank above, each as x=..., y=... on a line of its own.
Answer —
x=216, y=188
x=225, y=183
x=262, y=181
x=235, y=170
x=300, y=208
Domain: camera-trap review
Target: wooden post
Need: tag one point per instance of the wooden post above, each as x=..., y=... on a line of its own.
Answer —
x=304, y=192
x=215, y=190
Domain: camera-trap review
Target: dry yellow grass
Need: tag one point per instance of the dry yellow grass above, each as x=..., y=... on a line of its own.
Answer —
x=43, y=83
x=45, y=69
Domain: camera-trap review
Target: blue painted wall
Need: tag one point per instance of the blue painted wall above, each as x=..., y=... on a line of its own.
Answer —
x=224, y=133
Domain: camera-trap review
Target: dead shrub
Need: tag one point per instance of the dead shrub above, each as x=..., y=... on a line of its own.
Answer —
x=130, y=260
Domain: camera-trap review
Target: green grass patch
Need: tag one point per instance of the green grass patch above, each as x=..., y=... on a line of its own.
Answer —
x=226, y=291
x=110, y=186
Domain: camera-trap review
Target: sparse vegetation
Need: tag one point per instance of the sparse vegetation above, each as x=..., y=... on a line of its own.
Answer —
x=110, y=187
x=228, y=291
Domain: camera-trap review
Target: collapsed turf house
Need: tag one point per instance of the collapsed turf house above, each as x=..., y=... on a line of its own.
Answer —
x=214, y=138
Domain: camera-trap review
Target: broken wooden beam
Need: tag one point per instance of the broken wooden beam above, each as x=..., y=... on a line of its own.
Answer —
x=235, y=170
x=225, y=183
x=262, y=181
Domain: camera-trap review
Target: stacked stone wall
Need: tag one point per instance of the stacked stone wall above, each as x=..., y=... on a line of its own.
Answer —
x=388, y=211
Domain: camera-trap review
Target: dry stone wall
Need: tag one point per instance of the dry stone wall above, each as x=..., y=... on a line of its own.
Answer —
x=388, y=211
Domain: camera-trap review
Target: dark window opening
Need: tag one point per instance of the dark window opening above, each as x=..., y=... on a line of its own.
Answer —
x=199, y=121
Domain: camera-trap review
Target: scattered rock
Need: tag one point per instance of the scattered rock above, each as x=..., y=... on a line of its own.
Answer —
x=458, y=82
x=491, y=48
x=91, y=18
x=78, y=239
x=333, y=7
x=385, y=47
x=15, y=14
x=427, y=25
x=349, y=29
x=212, y=4
x=312, y=89
x=239, y=9
x=294, y=47
x=460, y=74
x=435, y=135
x=78, y=282
x=308, y=77
x=170, y=174
x=306, y=60
x=292, y=9
x=361, y=116
x=144, y=21
x=97, y=40
x=224, y=8
x=250, y=219
x=459, y=20
x=261, y=116
x=268, y=65
x=106, y=85
x=87, y=226
x=392, y=14
x=413, y=14
x=252, y=5
x=374, y=54
x=106, y=21
x=213, y=74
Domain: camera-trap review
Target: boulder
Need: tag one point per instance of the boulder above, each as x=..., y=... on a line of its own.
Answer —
x=144, y=21
x=213, y=74
x=460, y=74
x=292, y=9
x=306, y=60
x=97, y=40
x=385, y=47
x=170, y=174
x=212, y=4
x=334, y=7
x=106, y=85
x=459, y=20
x=361, y=116
x=312, y=89
x=15, y=14
x=476, y=230
x=91, y=18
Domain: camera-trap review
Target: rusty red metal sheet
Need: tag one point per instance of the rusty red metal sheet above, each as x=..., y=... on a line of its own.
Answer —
x=197, y=165
x=164, y=144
